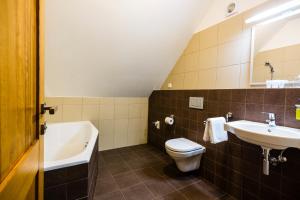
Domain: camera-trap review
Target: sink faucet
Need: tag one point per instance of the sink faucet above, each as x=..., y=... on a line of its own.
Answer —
x=271, y=120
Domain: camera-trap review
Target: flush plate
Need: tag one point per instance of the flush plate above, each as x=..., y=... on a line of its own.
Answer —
x=196, y=102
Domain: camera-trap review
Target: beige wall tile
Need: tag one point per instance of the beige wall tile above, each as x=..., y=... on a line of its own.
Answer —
x=193, y=45
x=190, y=80
x=135, y=111
x=107, y=111
x=228, y=77
x=121, y=100
x=229, y=54
x=72, y=100
x=291, y=69
x=57, y=117
x=231, y=29
x=72, y=113
x=176, y=80
x=207, y=78
x=208, y=37
x=51, y=101
x=134, y=131
x=208, y=58
x=107, y=100
x=144, y=114
x=121, y=133
x=192, y=62
x=274, y=56
x=91, y=100
x=291, y=53
x=90, y=112
x=106, y=130
x=245, y=75
x=121, y=111
x=180, y=65
x=109, y=115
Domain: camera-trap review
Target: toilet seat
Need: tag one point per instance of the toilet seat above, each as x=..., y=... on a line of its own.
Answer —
x=182, y=145
x=186, y=153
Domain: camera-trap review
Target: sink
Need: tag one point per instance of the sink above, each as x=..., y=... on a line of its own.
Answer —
x=278, y=137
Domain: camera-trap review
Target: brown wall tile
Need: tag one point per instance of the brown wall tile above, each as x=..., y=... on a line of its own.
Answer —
x=235, y=166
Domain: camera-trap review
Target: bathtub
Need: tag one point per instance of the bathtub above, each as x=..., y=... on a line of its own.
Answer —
x=70, y=160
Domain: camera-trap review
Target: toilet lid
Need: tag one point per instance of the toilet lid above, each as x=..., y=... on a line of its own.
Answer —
x=182, y=145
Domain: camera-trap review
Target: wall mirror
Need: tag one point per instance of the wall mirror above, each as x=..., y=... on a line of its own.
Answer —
x=275, y=53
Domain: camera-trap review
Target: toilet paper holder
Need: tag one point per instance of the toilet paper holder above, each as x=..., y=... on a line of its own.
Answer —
x=170, y=120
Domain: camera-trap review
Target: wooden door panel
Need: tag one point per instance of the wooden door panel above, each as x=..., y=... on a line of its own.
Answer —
x=18, y=102
x=21, y=145
x=18, y=184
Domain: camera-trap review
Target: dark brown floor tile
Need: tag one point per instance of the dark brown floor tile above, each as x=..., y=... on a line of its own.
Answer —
x=110, y=196
x=179, y=179
x=211, y=189
x=110, y=153
x=147, y=174
x=113, y=160
x=129, y=156
x=118, y=168
x=173, y=196
x=126, y=179
x=103, y=173
x=194, y=192
x=136, y=164
x=227, y=197
x=137, y=192
x=105, y=186
x=159, y=187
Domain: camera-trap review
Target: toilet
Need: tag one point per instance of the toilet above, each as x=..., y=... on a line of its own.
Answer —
x=186, y=153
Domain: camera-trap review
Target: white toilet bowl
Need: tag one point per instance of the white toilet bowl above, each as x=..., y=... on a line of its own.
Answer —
x=186, y=153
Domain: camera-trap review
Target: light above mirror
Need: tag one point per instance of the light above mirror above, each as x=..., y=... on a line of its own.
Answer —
x=277, y=11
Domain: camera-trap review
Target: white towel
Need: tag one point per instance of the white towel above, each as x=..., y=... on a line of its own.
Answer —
x=276, y=83
x=214, y=130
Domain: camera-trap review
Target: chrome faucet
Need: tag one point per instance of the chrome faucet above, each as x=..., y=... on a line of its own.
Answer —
x=271, y=120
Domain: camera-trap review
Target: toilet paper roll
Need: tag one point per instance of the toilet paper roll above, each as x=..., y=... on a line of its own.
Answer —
x=169, y=120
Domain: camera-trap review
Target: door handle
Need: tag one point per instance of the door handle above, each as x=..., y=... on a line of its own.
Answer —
x=43, y=128
x=51, y=109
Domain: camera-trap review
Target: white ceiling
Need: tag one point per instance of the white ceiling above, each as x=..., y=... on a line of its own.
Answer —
x=115, y=47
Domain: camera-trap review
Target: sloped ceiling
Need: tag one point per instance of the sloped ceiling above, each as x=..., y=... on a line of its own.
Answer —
x=115, y=47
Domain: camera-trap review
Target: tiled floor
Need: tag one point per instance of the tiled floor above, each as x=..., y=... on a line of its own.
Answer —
x=143, y=172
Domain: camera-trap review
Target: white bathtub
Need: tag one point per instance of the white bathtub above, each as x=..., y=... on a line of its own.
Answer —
x=68, y=144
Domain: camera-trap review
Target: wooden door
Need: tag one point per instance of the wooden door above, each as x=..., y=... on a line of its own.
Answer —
x=21, y=144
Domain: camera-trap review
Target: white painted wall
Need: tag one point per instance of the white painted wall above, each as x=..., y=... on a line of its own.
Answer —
x=115, y=47
x=287, y=35
x=216, y=13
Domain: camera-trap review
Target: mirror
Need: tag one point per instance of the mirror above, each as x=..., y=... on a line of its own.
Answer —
x=276, y=52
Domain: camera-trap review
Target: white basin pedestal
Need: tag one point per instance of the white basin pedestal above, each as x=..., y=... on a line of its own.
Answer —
x=268, y=138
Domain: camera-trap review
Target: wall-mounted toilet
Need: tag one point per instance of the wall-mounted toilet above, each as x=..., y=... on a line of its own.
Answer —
x=186, y=153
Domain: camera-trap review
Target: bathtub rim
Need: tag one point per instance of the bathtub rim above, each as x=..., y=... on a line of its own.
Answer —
x=81, y=158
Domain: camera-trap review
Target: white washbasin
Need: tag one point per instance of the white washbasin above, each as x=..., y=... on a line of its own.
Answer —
x=278, y=137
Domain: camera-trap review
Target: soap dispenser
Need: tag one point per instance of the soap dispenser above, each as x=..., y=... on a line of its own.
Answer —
x=297, y=112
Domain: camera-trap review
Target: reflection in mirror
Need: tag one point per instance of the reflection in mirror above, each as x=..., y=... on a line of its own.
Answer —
x=276, y=51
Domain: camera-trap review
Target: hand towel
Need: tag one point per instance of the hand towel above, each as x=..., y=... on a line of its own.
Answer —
x=214, y=130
